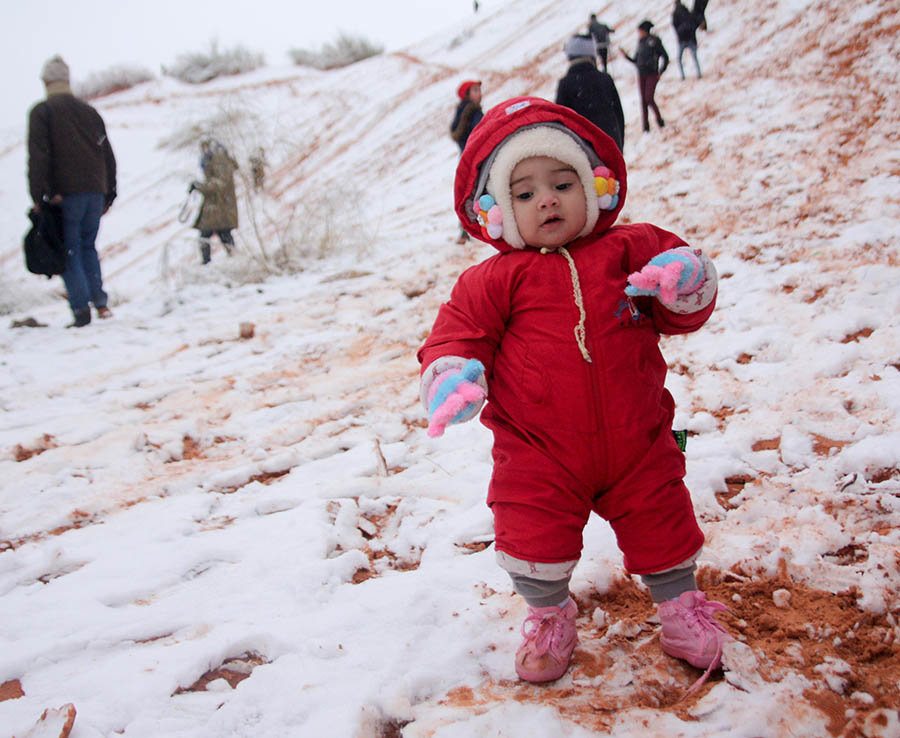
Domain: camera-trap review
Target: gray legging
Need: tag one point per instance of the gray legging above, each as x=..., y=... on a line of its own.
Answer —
x=664, y=586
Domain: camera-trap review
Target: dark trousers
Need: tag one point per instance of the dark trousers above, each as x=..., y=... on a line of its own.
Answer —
x=224, y=236
x=648, y=90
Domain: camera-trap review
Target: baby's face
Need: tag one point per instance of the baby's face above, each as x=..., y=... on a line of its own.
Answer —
x=548, y=202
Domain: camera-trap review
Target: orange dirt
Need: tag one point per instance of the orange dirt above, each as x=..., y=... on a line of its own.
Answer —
x=815, y=628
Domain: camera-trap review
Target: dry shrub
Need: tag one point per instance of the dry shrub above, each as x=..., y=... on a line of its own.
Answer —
x=112, y=80
x=199, y=67
x=342, y=52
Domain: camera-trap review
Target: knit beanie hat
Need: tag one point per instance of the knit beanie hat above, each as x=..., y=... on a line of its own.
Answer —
x=463, y=89
x=579, y=46
x=550, y=140
x=645, y=25
x=55, y=70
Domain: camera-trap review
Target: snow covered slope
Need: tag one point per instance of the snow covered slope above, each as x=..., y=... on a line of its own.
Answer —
x=209, y=535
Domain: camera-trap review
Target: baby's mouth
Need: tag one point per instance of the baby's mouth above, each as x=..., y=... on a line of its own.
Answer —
x=552, y=220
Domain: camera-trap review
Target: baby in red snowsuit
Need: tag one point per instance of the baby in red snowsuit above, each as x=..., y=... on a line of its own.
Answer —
x=560, y=333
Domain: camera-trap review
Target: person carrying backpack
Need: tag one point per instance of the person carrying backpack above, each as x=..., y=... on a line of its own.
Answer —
x=71, y=165
x=468, y=114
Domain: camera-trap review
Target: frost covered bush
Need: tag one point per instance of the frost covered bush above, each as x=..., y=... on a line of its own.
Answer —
x=320, y=226
x=112, y=80
x=344, y=51
x=275, y=239
x=203, y=66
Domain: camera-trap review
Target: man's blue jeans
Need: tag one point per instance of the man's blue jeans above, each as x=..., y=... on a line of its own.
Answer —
x=692, y=47
x=81, y=220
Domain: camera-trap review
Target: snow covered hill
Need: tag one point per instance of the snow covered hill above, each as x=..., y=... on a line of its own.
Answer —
x=204, y=534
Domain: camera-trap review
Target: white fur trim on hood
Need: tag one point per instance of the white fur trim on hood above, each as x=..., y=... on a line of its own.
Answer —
x=540, y=140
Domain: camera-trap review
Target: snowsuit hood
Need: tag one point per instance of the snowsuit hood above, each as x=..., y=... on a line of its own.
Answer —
x=507, y=119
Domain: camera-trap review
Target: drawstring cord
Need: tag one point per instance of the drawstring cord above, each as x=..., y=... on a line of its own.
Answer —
x=579, y=301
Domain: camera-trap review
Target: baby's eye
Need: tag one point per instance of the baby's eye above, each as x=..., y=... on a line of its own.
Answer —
x=563, y=186
x=523, y=196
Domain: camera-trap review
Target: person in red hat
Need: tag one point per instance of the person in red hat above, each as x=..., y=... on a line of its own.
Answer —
x=468, y=112
x=468, y=115
x=559, y=333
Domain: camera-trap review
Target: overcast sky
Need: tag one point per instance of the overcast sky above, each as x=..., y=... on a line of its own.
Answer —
x=93, y=35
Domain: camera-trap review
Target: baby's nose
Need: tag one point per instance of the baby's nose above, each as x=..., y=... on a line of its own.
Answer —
x=548, y=198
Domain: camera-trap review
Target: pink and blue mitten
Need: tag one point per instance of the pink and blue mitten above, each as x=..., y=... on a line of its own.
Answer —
x=454, y=397
x=668, y=276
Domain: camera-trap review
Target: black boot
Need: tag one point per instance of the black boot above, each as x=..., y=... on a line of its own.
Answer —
x=204, y=251
x=82, y=318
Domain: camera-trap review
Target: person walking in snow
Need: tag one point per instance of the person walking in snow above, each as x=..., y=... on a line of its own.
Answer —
x=651, y=61
x=685, y=25
x=559, y=334
x=468, y=114
x=589, y=91
x=218, y=214
x=600, y=33
x=71, y=166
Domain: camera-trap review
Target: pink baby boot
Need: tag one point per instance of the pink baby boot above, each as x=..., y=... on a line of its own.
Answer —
x=691, y=632
x=550, y=637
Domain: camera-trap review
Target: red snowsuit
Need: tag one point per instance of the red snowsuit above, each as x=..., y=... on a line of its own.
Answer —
x=572, y=436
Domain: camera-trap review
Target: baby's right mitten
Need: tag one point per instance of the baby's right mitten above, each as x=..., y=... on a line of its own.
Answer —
x=454, y=396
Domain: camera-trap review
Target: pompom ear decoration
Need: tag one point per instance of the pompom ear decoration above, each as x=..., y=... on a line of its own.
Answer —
x=607, y=188
x=490, y=217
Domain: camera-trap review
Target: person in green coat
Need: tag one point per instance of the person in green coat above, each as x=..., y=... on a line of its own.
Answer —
x=218, y=213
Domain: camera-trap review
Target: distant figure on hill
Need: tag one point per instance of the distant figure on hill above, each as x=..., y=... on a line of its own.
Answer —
x=600, y=33
x=71, y=166
x=468, y=114
x=651, y=61
x=218, y=213
x=685, y=25
x=589, y=91
x=258, y=164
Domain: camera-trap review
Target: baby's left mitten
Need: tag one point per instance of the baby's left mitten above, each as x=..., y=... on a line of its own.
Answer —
x=668, y=276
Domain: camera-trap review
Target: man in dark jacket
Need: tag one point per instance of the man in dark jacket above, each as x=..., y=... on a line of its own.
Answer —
x=71, y=165
x=590, y=92
x=651, y=61
x=685, y=25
